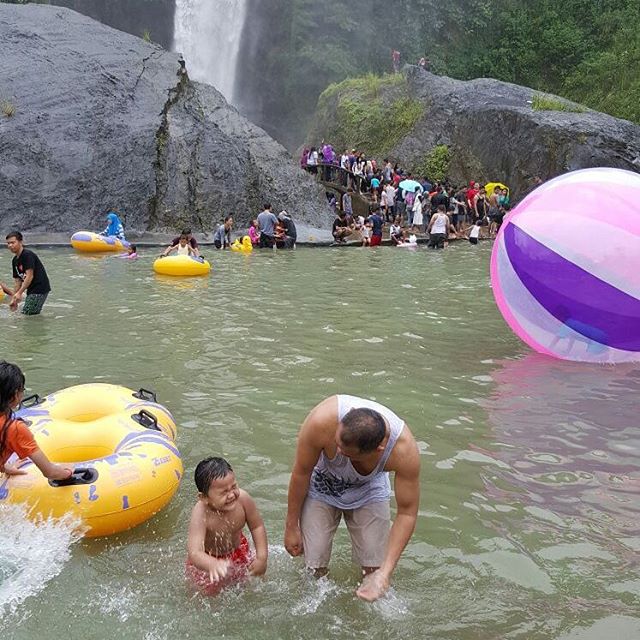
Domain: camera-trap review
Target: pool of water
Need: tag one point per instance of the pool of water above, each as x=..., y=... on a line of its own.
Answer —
x=529, y=518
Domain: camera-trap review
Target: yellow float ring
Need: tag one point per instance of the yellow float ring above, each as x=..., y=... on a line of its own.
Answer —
x=89, y=242
x=181, y=266
x=122, y=447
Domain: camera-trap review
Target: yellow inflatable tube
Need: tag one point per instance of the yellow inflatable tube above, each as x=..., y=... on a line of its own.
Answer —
x=89, y=242
x=491, y=187
x=242, y=246
x=121, y=444
x=181, y=266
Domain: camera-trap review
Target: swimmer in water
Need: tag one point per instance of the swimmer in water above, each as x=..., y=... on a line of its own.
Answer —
x=218, y=552
x=131, y=254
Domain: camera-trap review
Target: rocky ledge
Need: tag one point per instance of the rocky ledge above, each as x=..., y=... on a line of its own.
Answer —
x=92, y=119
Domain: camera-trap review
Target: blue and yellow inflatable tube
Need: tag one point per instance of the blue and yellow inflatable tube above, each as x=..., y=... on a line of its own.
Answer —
x=122, y=447
x=181, y=266
x=89, y=242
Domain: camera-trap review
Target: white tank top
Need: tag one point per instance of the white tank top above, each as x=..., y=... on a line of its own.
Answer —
x=183, y=251
x=337, y=483
x=441, y=223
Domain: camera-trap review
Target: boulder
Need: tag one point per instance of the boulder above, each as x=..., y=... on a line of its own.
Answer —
x=92, y=119
x=486, y=130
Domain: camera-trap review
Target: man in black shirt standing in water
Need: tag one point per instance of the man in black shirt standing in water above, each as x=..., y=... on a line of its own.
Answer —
x=29, y=275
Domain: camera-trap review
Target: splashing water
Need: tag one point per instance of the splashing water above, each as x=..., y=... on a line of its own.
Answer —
x=31, y=554
x=208, y=33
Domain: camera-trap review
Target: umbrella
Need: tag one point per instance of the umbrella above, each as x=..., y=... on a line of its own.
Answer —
x=410, y=185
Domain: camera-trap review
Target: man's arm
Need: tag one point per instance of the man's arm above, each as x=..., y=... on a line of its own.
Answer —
x=406, y=464
x=311, y=442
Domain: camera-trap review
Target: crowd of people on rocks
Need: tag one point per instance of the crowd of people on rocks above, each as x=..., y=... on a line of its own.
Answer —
x=406, y=203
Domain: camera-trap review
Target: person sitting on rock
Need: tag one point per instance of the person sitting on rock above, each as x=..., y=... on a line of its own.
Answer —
x=343, y=227
x=114, y=227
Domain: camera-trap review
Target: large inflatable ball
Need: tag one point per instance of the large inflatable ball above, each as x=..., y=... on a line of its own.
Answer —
x=565, y=268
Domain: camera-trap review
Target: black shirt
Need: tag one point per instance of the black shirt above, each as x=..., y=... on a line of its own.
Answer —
x=290, y=229
x=29, y=260
x=340, y=222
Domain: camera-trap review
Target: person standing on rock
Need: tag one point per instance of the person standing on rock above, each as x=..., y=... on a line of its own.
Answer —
x=346, y=448
x=267, y=223
x=29, y=276
x=395, y=59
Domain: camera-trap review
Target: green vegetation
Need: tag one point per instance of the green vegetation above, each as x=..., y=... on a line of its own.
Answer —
x=436, y=164
x=542, y=102
x=587, y=51
x=372, y=113
x=7, y=108
x=146, y=35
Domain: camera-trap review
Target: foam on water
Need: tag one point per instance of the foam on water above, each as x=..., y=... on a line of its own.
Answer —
x=31, y=554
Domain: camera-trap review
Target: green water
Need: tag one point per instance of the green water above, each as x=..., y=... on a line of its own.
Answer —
x=528, y=526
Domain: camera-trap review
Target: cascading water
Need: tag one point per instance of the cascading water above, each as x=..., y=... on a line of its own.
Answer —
x=208, y=34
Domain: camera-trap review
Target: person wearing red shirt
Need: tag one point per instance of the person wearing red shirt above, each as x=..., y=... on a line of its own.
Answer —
x=15, y=436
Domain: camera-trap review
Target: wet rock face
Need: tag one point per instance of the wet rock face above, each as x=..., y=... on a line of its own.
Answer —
x=103, y=120
x=494, y=133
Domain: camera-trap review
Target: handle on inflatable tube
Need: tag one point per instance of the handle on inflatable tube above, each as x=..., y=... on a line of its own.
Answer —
x=146, y=419
x=31, y=401
x=81, y=475
x=145, y=394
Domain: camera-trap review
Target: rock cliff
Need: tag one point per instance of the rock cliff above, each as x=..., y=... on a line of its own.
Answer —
x=483, y=129
x=92, y=118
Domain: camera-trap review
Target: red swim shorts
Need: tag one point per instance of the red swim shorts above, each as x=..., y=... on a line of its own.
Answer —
x=240, y=559
x=376, y=241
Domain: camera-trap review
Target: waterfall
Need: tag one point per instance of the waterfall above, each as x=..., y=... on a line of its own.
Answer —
x=207, y=33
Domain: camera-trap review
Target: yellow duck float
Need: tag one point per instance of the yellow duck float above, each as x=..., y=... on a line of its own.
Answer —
x=242, y=246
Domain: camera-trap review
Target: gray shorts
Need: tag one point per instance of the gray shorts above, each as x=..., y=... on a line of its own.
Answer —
x=368, y=528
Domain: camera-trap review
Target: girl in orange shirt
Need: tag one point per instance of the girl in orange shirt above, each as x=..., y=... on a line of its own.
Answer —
x=15, y=436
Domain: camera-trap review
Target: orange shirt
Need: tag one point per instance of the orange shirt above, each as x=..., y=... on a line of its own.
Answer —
x=19, y=440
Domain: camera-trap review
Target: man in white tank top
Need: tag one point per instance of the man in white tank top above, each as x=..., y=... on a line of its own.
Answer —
x=346, y=448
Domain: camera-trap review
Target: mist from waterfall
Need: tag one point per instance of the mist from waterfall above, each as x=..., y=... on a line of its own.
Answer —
x=208, y=34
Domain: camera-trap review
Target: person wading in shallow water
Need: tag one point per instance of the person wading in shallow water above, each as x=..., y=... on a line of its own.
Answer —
x=29, y=275
x=346, y=448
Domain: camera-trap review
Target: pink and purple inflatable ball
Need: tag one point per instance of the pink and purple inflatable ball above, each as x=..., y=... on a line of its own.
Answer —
x=565, y=268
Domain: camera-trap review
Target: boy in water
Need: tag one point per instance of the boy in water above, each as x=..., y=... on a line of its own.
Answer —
x=218, y=552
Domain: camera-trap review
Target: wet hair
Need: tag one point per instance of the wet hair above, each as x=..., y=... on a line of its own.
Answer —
x=11, y=382
x=364, y=429
x=185, y=232
x=134, y=248
x=208, y=470
x=14, y=234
